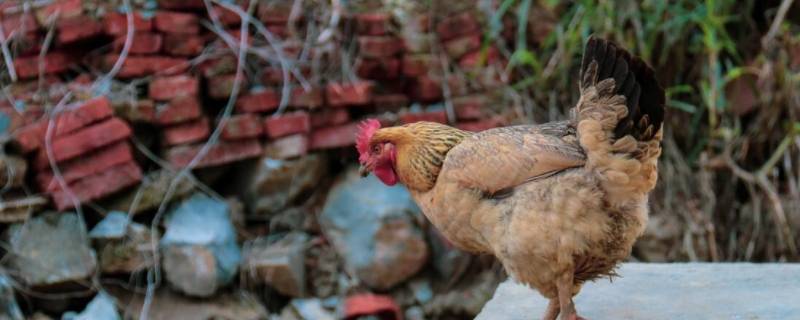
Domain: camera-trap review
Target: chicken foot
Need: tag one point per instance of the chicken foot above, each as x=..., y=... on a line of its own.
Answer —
x=552, y=310
x=566, y=285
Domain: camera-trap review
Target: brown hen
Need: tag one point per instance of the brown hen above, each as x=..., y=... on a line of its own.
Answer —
x=558, y=204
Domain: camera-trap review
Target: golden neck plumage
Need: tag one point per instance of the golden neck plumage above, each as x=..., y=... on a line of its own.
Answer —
x=421, y=150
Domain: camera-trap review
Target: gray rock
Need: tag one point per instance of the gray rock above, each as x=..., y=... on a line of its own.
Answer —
x=448, y=261
x=306, y=309
x=669, y=291
x=373, y=228
x=168, y=305
x=199, y=246
x=150, y=193
x=50, y=250
x=102, y=307
x=122, y=246
x=280, y=265
x=9, y=309
x=276, y=184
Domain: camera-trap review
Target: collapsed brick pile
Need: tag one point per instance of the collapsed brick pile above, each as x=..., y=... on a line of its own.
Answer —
x=79, y=140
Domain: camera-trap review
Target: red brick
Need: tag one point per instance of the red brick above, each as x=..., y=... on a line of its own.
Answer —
x=176, y=22
x=78, y=28
x=116, y=24
x=74, y=117
x=373, y=23
x=167, y=88
x=83, y=141
x=480, y=125
x=227, y=17
x=369, y=305
x=29, y=43
x=181, y=4
x=54, y=62
x=183, y=45
x=221, y=87
x=288, y=147
x=383, y=69
x=142, y=43
x=274, y=76
x=219, y=154
x=306, y=99
x=65, y=9
x=243, y=126
x=432, y=116
x=479, y=58
x=140, y=66
x=426, y=89
x=18, y=23
x=28, y=138
x=178, y=110
x=99, y=185
x=286, y=124
x=349, y=94
x=457, y=25
x=280, y=31
x=379, y=47
x=258, y=101
x=469, y=107
x=90, y=164
x=390, y=102
x=188, y=132
x=137, y=111
x=334, y=137
x=329, y=117
x=420, y=64
x=274, y=12
x=456, y=48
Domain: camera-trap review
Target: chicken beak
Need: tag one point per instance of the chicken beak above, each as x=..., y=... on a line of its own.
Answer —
x=363, y=171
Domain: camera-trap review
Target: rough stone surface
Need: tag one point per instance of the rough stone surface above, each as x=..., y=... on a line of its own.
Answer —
x=373, y=228
x=122, y=246
x=450, y=262
x=669, y=291
x=199, y=247
x=51, y=249
x=9, y=309
x=101, y=307
x=280, y=265
x=275, y=184
x=169, y=305
x=150, y=193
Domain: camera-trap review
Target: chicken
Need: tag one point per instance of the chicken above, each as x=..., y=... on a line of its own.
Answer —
x=559, y=203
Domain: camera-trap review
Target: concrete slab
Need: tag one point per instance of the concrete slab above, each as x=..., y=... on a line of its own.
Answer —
x=669, y=291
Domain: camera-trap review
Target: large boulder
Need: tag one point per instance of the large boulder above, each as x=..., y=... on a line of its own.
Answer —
x=373, y=227
x=280, y=265
x=276, y=184
x=51, y=250
x=122, y=246
x=199, y=248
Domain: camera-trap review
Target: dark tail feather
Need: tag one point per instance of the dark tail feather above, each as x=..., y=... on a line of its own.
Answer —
x=635, y=80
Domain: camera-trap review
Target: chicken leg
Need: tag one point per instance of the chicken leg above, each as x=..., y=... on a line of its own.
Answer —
x=552, y=310
x=566, y=285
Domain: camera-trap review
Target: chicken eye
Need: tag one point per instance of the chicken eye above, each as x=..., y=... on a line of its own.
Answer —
x=376, y=148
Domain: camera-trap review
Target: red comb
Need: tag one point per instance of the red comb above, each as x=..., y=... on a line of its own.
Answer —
x=366, y=129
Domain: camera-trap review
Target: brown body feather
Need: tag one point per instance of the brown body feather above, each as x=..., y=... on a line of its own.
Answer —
x=555, y=203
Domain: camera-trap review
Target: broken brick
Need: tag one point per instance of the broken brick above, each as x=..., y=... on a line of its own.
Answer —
x=426, y=89
x=334, y=137
x=83, y=141
x=217, y=66
x=349, y=94
x=371, y=305
x=183, y=45
x=432, y=116
x=98, y=185
x=226, y=17
x=379, y=46
x=74, y=117
x=329, y=117
x=140, y=66
x=373, y=23
x=142, y=43
x=116, y=24
x=457, y=25
x=378, y=69
x=54, y=62
x=188, y=132
x=137, y=111
x=306, y=99
x=456, y=48
x=415, y=65
x=286, y=124
x=258, y=101
x=218, y=154
x=87, y=165
x=18, y=23
x=178, y=110
x=176, y=22
x=167, y=88
x=288, y=147
x=78, y=28
x=243, y=126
